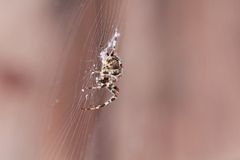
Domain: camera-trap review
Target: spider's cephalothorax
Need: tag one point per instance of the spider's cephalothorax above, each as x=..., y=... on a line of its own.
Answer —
x=111, y=70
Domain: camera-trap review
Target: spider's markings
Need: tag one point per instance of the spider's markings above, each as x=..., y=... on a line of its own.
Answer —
x=111, y=71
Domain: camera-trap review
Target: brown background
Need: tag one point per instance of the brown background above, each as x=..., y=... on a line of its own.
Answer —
x=180, y=92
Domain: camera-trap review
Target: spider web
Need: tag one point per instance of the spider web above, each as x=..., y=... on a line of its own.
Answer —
x=91, y=25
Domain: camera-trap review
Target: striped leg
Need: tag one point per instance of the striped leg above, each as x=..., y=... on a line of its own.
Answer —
x=97, y=87
x=95, y=72
x=114, y=90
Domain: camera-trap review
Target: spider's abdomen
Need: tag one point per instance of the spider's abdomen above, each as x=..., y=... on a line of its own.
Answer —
x=112, y=62
x=117, y=72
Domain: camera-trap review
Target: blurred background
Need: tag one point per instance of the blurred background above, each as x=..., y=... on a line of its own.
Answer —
x=179, y=94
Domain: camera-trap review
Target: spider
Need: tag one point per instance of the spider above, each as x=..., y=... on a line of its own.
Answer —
x=111, y=71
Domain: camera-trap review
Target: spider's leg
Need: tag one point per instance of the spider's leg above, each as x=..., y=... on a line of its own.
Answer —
x=114, y=90
x=95, y=87
x=95, y=72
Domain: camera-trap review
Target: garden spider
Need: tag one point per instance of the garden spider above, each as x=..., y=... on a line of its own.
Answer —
x=111, y=70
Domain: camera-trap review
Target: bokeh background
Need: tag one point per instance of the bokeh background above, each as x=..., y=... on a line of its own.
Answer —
x=180, y=91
